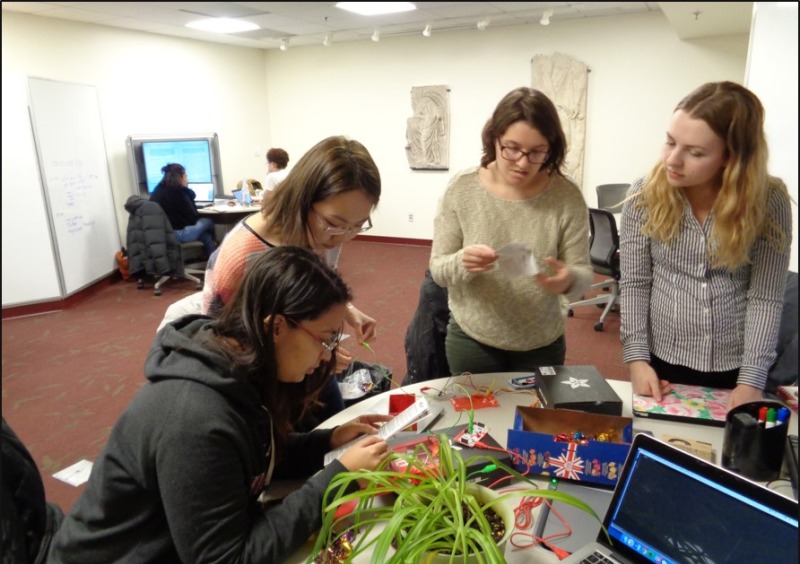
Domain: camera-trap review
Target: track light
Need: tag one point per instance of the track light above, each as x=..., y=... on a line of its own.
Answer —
x=427, y=31
x=483, y=24
x=284, y=44
x=376, y=35
x=546, y=17
x=327, y=39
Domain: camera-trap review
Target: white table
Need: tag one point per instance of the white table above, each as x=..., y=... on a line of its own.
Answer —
x=226, y=216
x=500, y=419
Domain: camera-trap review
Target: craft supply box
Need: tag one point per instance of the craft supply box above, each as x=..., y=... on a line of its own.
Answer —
x=539, y=436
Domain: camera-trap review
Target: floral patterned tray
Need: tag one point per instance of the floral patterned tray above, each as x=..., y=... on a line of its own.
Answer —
x=685, y=403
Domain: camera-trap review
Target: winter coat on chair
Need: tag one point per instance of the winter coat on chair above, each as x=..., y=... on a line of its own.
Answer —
x=153, y=247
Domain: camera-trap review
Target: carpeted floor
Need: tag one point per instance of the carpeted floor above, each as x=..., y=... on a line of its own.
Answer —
x=68, y=375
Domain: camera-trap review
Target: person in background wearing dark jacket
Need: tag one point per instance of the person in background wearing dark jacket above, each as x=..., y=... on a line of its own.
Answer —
x=185, y=465
x=177, y=200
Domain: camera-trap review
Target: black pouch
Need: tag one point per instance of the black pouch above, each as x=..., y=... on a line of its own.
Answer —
x=380, y=380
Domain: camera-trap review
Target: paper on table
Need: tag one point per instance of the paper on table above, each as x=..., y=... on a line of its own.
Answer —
x=516, y=259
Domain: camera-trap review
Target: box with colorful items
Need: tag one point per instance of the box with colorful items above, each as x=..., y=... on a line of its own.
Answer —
x=572, y=445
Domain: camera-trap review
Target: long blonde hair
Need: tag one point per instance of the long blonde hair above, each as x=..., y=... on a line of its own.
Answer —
x=740, y=210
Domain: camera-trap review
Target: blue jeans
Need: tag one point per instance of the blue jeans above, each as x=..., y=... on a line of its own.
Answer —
x=202, y=231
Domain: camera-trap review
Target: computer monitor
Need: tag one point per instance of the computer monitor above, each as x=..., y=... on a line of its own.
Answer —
x=199, y=154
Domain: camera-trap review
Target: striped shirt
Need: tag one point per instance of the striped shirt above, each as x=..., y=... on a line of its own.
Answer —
x=680, y=309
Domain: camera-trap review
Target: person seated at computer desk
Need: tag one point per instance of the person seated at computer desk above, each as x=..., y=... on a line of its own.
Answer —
x=277, y=159
x=177, y=200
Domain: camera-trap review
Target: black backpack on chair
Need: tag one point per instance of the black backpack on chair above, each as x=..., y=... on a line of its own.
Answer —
x=28, y=520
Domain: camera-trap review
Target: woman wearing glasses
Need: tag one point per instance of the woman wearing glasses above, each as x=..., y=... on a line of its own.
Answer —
x=500, y=322
x=182, y=475
x=325, y=200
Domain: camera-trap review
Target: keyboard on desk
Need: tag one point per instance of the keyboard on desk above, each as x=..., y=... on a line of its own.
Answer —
x=598, y=557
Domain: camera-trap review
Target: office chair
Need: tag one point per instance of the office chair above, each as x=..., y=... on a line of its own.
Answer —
x=604, y=256
x=610, y=195
x=154, y=249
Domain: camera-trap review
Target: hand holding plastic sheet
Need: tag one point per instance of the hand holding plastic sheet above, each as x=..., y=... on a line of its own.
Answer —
x=516, y=259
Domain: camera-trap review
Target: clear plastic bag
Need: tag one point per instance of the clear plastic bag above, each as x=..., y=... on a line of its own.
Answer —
x=356, y=385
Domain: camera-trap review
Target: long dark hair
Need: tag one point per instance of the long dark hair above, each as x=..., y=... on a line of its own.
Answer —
x=333, y=166
x=538, y=111
x=293, y=282
x=173, y=175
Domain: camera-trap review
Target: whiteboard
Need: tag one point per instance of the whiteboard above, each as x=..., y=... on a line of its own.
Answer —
x=72, y=160
x=772, y=75
x=29, y=268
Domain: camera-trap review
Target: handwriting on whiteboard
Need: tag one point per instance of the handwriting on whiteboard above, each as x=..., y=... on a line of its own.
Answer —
x=70, y=183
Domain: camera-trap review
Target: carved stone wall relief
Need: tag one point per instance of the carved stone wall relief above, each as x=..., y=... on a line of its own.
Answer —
x=565, y=81
x=428, y=130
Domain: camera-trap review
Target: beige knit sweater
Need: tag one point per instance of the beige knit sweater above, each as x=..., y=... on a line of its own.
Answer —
x=509, y=314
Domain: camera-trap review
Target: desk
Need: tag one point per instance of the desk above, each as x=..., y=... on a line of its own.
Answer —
x=225, y=214
x=225, y=217
x=500, y=419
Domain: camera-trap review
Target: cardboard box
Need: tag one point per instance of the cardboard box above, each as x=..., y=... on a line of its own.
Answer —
x=546, y=438
x=576, y=387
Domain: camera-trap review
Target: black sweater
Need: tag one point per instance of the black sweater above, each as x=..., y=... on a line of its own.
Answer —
x=178, y=203
x=179, y=478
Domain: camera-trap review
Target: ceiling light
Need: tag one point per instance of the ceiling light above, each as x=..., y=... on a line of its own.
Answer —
x=546, y=17
x=483, y=24
x=327, y=40
x=284, y=44
x=222, y=25
x=427, y=31
x=376, y=35
x=376, y=8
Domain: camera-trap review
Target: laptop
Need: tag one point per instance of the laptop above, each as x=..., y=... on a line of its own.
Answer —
x=670, y=507
x=566, y=527
x=204, y=194
x=686, y=404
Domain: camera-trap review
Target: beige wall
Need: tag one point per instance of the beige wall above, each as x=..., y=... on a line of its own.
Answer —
x=255, y=99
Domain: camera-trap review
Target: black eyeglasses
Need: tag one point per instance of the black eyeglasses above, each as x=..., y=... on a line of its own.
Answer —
x=334, y=231
x=513, y=154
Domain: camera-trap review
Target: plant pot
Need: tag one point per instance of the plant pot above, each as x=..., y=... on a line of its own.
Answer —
x=504, y=509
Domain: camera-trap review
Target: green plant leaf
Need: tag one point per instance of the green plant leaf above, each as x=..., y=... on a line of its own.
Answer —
x=422, y=511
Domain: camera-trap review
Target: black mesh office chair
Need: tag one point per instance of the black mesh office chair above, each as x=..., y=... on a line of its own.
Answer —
x=604, y=256
x=609, y=196
x=154, y=249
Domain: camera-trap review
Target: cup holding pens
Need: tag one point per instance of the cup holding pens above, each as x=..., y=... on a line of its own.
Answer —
x=754, y=443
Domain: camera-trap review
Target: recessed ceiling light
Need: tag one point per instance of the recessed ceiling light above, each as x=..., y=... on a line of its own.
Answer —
x=376, y=8
x=222, y=25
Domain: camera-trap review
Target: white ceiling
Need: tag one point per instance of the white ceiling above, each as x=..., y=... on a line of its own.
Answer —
x=307, y=23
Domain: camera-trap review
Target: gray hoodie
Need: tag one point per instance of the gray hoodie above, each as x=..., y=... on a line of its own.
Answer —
x=179, y=477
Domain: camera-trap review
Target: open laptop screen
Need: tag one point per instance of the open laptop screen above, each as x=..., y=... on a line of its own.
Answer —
x=204, y=192
x=696, y=512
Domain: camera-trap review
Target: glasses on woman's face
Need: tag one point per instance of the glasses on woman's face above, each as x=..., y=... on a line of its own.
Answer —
x=335, y=231
x=328, y=344
x=513, y=154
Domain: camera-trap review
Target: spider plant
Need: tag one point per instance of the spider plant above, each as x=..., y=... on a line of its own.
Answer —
x=425, y=511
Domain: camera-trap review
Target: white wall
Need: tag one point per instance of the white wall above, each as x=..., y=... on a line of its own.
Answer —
x=772, y=75
x=256, y=99
x=639, y=72
x=145, y=84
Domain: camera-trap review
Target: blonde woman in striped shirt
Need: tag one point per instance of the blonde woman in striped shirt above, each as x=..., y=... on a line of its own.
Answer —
x=704, y=251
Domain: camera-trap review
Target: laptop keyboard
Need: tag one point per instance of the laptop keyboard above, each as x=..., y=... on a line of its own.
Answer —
x=597, y=558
